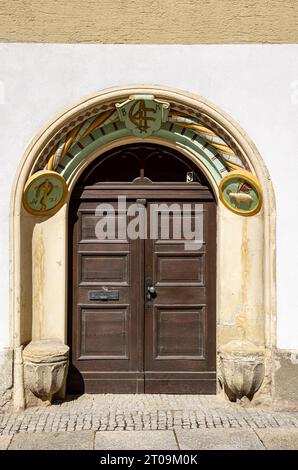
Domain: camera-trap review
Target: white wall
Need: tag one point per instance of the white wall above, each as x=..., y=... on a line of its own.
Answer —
x=256, y=85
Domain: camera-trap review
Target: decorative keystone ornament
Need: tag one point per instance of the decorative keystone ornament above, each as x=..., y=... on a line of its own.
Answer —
x=241, y=193
x=143, y=114
x=45, y=192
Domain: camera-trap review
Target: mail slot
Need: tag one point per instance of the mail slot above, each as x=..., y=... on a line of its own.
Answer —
x=104, y=295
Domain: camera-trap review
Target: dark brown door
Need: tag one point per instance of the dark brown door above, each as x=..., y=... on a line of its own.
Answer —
x=141, y=312
x=105, y=333
x=180, y=320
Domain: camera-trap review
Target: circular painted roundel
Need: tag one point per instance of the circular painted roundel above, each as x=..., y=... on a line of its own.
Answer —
x=45, y=192
x=241, y=193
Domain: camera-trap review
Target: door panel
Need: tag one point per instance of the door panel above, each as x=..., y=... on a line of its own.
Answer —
x=180, y=319
x=179, y=269
x=105, y=333
x=179, y=333
x=106, y=341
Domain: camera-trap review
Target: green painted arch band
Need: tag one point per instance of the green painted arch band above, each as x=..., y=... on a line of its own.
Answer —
x=207, y=158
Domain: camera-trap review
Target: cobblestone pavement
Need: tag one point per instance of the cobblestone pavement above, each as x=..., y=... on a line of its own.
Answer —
x=143, y=412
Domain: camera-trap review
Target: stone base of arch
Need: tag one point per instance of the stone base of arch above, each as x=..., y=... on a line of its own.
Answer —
x=245, y=273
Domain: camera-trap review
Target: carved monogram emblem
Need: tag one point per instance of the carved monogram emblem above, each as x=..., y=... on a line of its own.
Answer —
x=143, y=115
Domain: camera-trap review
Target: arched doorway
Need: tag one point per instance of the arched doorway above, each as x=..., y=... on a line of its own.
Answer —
x=245, y=248
x=123, y=337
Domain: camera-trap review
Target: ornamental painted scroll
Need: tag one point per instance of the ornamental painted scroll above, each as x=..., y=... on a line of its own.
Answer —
x=240, y=192
x=45, y=192
x=142, y=116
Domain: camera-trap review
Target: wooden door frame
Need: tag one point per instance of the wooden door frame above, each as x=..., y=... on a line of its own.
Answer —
x=162, y=192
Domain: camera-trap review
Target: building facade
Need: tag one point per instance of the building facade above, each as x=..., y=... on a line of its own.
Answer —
x=86, y=124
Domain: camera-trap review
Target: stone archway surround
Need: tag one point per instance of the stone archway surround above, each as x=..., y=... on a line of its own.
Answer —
x=245, y=257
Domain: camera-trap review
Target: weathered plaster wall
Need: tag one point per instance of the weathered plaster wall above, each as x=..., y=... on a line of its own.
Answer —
x=149, y=22
x=6, y=377
x=256, y=85
x=286, y=379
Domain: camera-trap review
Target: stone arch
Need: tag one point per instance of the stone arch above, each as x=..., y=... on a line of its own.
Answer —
x=245, y=246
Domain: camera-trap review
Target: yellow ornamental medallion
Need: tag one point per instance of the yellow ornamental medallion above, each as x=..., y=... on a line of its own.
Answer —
x=241, y=193
x=45, y=192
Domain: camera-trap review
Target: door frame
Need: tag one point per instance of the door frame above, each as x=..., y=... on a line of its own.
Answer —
x=38, y=251
x=161, y=191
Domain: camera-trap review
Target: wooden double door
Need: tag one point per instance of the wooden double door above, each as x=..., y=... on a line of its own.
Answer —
x=142, y=311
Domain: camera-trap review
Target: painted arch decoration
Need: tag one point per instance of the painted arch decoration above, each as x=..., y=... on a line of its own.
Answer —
x=142, y=116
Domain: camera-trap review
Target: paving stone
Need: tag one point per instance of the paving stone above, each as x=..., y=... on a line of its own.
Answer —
x=144, y=412
x=53, y=441
x=279, y=438
x=218, y=439
x=4, y=442
x=136, y=440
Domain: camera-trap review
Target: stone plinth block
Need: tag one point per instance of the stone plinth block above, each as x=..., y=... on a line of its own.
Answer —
x=45, y=366
x=242, y=369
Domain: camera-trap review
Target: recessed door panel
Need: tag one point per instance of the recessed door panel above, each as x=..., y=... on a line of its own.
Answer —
x=179, y=332
x=180, y=268
x=105, y=333
x=103, y=268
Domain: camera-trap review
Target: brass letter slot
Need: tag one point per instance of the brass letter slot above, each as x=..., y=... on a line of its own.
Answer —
x=104, y=295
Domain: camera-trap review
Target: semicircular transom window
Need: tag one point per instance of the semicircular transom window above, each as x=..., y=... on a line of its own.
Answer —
x=141, y=163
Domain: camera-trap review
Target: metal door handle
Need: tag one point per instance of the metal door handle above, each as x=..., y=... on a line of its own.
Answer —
x=149, y=288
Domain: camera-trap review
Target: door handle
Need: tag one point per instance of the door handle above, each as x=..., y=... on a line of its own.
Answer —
x=149, y=288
